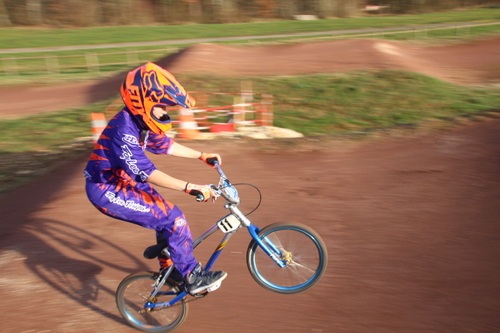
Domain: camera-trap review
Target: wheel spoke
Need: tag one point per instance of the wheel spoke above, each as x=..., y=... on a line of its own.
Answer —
x=132, y=295
x=299, y=247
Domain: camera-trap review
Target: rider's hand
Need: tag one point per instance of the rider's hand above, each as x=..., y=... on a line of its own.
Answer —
x=204, y=191
x=210, y=159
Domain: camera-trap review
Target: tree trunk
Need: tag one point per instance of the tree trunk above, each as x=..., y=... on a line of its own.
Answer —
x=347, y=8
x=34, y=12
x=4, y=17
x=287, y=8
x=325, y=8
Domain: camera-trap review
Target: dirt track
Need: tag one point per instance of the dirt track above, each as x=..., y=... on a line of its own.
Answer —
x=411, y=224
x=464, y=63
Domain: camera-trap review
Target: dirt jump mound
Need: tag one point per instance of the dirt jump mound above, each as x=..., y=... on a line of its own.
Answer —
x=470, y=63
x=475, y=62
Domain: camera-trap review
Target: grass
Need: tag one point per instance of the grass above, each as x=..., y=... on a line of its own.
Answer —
x=313, y=105
x=43, y=37
x=81, y=64
x=328, y=104
x=74, y=65
x=60, y=66
x=51, y=130
x=360, y=101
x=325, y=105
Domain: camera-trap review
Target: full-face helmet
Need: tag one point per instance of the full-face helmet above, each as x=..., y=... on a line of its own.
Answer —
x=148, y=86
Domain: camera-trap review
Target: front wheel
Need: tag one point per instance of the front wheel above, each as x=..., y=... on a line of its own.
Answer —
x=299, y=247
x=134, y=292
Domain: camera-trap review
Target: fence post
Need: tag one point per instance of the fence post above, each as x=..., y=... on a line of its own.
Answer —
x=92, y=62
x=267, y=112
x=246, y=91
x=10, y=66
x=132, y=58
x=238, y=111
x=52, y=64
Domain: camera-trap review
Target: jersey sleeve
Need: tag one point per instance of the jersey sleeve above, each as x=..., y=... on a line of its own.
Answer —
x=131, y=157
x=159, y=144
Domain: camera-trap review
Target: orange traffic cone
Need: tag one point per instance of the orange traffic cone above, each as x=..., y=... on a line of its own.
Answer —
x=98, y=125
x=188, y=128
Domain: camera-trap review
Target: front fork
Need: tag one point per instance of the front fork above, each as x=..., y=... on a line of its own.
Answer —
x=268, y=247
x=265, y=244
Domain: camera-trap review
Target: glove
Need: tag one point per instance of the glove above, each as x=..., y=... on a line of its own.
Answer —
x=210, y=159
x=204, y=192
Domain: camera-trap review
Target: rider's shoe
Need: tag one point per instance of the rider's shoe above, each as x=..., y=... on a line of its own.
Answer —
x=200, y=280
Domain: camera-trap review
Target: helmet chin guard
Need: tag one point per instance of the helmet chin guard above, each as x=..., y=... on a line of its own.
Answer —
x=148, y=86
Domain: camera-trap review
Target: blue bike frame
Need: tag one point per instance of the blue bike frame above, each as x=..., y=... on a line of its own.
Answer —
x=228, y=192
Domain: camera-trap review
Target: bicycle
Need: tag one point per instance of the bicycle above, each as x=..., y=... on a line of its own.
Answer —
x=285, y=258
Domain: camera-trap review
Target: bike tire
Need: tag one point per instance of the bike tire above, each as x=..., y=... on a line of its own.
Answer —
x=133, y=292
x=308, y=262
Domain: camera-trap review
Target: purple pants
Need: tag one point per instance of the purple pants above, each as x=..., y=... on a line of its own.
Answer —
x=141, y=204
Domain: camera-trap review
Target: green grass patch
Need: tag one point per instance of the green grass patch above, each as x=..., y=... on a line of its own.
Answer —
x=333, y=104
x=43, y=37
x=74, y=65
x=313, y=105
x=83, y=64
x=46, y=132
x=365, y=100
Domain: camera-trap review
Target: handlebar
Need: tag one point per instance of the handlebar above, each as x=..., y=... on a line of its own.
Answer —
x=229, y=192
x=219, y=170
x=224, y=188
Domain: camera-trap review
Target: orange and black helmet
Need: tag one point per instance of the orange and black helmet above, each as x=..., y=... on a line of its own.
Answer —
x=148, y=86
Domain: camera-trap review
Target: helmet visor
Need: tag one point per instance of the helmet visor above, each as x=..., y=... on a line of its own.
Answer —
x=164, y=118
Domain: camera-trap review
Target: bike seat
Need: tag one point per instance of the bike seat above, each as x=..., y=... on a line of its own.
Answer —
x=154, y=251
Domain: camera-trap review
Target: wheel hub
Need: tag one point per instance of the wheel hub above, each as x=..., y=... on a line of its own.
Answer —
x=287, y=257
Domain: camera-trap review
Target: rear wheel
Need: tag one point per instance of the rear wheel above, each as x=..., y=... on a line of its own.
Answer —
x=299, y=247
x=133, y=294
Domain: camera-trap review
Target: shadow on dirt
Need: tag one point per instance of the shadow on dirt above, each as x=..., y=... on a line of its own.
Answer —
x=35, y=193
x=66, y=257
x=53, y=255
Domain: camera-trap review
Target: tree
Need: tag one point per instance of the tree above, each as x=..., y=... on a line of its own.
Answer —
x=4, y=17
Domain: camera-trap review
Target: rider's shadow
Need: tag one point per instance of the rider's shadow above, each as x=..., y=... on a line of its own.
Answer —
x=70, y=259
x=65, y=257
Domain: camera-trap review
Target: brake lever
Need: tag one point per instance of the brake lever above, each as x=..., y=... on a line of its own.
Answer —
x=201, y=198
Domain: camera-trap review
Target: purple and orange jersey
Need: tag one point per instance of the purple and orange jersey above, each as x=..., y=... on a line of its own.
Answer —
x=116, y=185
x=119, y=152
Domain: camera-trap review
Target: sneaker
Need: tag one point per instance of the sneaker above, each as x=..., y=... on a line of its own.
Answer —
x=200, y=280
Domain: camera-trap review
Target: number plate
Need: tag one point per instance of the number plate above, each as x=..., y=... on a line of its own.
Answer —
x=228, y=224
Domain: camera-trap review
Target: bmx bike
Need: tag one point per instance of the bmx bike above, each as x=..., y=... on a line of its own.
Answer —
x=285, y=258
